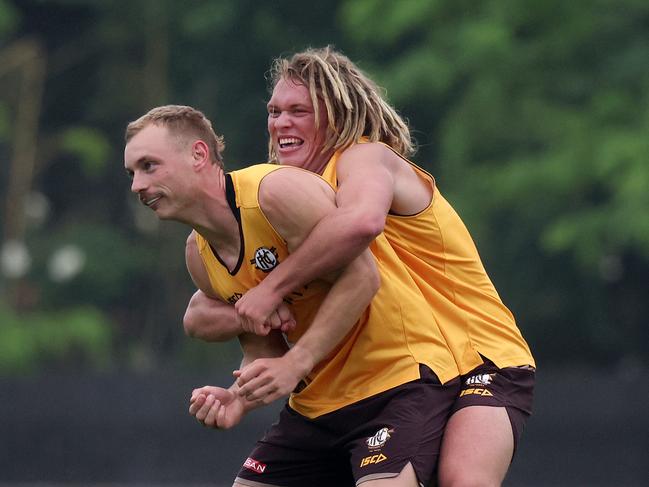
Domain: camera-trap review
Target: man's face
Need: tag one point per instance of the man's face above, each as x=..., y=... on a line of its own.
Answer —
x=160, y=170
x=292, y=127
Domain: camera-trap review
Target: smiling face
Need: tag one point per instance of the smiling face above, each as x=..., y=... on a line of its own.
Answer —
x=159, y=165
x=292, y=127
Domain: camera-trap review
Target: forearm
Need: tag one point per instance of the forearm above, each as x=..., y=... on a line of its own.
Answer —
x=334, y=242
x=255, y=346
x=346, y=301
x=210, y=319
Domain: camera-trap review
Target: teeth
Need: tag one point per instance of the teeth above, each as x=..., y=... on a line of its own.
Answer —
x=289, y=140
x=152, y=200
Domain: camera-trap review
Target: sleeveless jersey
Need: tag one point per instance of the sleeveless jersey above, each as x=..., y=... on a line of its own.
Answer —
x=440, y=255
x=384, y=348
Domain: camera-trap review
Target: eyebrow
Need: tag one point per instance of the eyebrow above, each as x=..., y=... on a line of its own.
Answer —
x=139, y=162
x=290, y=107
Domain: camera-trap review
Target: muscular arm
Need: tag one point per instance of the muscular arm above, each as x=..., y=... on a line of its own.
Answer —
x=212, y=320
x=364, y=197
x=207, y=317
x=295, y=202
x=218, y=407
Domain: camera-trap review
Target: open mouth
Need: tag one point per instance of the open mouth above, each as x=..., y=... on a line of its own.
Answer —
x=287, y=142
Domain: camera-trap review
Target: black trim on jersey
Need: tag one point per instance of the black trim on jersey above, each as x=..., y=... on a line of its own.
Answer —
x=231, y=198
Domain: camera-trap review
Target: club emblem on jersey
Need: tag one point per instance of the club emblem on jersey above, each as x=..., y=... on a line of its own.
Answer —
x=265, y=259
x=379, y=439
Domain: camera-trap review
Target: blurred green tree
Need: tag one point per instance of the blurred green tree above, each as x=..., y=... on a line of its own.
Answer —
x=531, y=115
x=534, y=119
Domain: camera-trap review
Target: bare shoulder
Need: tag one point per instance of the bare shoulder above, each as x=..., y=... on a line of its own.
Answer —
x=370, y=153
x=294, y=200
x=196, y=267
x=289, y=186
x=191, y=240
x=192, y=256
x=368, y=149
x=191, y=247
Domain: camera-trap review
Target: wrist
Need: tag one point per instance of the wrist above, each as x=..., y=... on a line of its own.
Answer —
x=247, y=405
x=302, y=359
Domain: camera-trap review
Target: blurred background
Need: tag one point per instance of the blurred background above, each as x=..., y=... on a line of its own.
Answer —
x=532, y=115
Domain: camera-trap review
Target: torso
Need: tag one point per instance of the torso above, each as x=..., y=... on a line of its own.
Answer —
x=432, y=242
x=397, y=324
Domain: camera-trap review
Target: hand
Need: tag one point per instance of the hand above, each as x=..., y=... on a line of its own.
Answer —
x=282, y=319
x=268, y=379
x=216, y=407
x=259, y=311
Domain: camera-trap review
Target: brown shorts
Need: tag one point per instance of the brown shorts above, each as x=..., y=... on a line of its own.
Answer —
x=510, y=387
x=373, y=438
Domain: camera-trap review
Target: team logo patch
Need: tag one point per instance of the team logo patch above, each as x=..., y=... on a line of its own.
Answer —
x=379, y=439
x=265, y=259
x=378, y=458
x=254, y=465
x=479, y=380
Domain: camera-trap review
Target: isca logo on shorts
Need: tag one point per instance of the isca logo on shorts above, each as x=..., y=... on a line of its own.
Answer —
x=379, y=439
x=254, y=465
x=476, y=391
x=378, y=458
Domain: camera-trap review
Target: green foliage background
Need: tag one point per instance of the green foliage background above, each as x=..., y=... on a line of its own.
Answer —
x=533, y=117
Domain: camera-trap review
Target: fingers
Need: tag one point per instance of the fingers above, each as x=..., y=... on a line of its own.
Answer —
x=210, y=419
x=288, y=326
x=258, y=381
x=261, y=328
x=250, y=371
x=274, y=321
x=206, y=410
x=249, y=385
x=286, y=318
x=196, y=402
x=284, y=312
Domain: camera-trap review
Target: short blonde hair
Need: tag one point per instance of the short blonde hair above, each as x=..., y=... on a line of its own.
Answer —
x=354, y=103
x=183, y=121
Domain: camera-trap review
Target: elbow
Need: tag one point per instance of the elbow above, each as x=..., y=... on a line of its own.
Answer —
x=198, y=327
x=190, y=324
x=369, y=227
x=201, y=319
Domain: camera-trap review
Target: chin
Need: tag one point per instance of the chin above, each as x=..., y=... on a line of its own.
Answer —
x=162, y=215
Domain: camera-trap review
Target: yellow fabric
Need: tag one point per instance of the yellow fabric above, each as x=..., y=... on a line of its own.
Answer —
x=442, y=259
x=384, y=349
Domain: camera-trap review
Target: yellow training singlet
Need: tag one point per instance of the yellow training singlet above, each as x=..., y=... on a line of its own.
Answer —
x=385, y=347
x=441, y=257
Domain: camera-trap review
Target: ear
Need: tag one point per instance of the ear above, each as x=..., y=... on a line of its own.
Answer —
x=200, y=154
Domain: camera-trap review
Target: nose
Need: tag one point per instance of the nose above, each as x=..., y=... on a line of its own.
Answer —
x=283, y=119
x=138, y=184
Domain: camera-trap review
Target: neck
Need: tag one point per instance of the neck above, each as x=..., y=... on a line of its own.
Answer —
x=214, y=219
x=318, y=166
